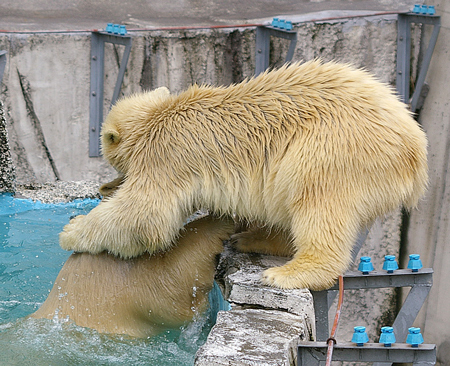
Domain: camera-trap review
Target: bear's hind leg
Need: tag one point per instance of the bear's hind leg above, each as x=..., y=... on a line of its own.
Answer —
x=259, y=239
x=323, y=253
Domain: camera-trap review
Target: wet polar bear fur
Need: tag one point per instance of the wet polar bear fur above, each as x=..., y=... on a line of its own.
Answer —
x=142, y=296
x=315, y=151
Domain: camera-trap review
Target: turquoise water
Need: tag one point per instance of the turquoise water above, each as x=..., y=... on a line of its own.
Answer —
x=30, y=260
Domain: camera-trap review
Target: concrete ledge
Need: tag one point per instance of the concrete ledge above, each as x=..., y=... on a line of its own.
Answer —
x=239, y=275
x=264, y=324
x=253, y=337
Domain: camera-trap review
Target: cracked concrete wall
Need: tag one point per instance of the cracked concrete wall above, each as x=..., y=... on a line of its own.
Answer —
x=47, y=76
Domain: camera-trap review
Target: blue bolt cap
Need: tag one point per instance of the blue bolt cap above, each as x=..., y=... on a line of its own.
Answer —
x=387, y=336
x=390, y=264
x=109, y=27
x=424, y=9
x=416, y=9
x=414, y=337
x=360, y=336
x=431, y=10
x=365, y=266
x=122, y=30
x=414, y=262
x=275, y=22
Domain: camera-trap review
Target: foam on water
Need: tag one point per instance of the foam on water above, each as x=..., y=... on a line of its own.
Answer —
x=30, y=260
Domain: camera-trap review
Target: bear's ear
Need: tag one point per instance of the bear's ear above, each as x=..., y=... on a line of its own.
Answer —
x=111, y=137
x=162, y=92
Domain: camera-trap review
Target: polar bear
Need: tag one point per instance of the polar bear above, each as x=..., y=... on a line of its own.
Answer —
x=145, y=295
x=315, y=151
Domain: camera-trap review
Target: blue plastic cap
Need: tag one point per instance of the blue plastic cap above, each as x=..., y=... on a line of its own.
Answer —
x=431, y=10
x=360, y=336
x=414, y=262
x=414, y=337
x=109, y=27
x=390, y=264
x=275, y=22
x=424, y=9
x=288, y=25
x=416, y=9
x=387, y=336
x=365, y=266
x=116, y=28
x=122, y=30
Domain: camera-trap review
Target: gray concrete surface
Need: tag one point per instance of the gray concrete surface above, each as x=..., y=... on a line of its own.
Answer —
x=253, y=337
x=82, y=14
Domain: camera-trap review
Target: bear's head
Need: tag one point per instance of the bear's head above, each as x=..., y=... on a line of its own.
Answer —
x=126, y=123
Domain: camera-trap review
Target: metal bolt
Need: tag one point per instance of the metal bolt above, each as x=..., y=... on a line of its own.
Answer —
x=93, y=129
x=259, y=51
x=94, y=58
x=94, y=93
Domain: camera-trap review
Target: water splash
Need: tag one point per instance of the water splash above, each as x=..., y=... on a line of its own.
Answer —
x=30, y=260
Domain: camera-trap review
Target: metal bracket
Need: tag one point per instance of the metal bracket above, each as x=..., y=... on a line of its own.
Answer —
x=263, y=34
x=2, y=64
x=312, y=353
x=420, y=283
x=98, y=40
x=404, y=55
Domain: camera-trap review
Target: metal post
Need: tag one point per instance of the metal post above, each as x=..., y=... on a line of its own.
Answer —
x=263, y=34
x=404, y=54
x=436, y=21
x=98, y=41
x=262, y=50
x=321, y=307
x=96, y=97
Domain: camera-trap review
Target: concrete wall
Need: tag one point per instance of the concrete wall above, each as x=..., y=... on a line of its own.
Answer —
x=46, y=83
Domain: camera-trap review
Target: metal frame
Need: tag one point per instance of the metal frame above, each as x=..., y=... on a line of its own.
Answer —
x=313, y=353
x=420, y=283
x=263, y=34
x=98, y=40
x=404, y=54
x=2, y=64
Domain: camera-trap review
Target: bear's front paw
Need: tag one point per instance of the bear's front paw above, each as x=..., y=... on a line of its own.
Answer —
x=72, y=237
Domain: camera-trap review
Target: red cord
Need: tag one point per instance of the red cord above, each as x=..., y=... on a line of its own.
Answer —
x=332, y=341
